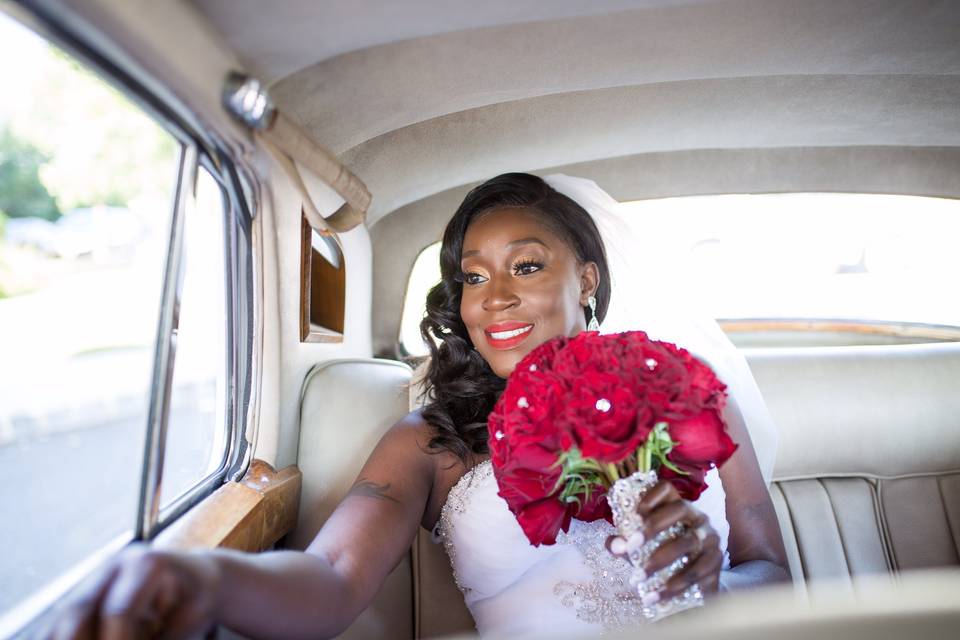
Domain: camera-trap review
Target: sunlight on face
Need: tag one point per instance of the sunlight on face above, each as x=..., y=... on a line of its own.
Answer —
x=522, y=285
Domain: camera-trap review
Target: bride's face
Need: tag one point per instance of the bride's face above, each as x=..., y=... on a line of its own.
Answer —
x=522, y=286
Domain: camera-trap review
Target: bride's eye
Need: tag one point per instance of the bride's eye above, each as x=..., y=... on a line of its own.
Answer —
x=526, y=267
x=469, y=277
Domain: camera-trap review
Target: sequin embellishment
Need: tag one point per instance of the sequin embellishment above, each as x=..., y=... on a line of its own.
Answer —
x=457, y=500
x=608, y=599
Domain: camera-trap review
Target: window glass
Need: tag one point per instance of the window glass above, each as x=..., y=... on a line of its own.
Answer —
x=800, y=256
x=808, y=255
x=86, y=183
x=425, y=274
x=196, y=428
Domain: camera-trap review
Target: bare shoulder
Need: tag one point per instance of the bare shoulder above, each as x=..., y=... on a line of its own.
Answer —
x=404, y=446
x=413, y=433
x=410, y=437
x=404, y=454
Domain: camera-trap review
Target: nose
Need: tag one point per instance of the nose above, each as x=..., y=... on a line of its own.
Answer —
x=500, y=294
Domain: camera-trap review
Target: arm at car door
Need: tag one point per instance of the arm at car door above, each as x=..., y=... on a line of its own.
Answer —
x=281, y=594
x=319, y=593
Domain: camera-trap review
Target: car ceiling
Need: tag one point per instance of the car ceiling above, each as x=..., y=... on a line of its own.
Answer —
x=622, y=77
x=649, y=97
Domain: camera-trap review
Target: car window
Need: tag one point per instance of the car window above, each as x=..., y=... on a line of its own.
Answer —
x=773, y=267
x=87, y=189
x=196, y=430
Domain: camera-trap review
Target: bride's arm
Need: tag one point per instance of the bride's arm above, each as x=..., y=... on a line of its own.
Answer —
x=283, y=594
x=757, y=554
x=359, y=545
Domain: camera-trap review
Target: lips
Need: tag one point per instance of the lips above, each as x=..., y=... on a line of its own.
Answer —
x=506, y=335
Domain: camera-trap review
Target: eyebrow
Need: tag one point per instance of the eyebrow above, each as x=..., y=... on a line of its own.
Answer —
x=515, y=243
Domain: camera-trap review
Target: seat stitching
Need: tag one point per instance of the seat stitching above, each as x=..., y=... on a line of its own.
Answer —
x=946, y=516
x=886, y=542
x=796, y=533
x=895, y=568
x=836, y=522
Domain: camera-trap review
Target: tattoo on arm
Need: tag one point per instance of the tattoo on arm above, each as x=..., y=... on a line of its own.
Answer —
x=371, y=490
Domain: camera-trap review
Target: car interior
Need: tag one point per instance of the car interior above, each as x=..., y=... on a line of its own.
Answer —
x=352, y=131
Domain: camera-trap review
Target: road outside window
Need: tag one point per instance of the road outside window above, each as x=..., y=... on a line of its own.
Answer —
x=86, y=191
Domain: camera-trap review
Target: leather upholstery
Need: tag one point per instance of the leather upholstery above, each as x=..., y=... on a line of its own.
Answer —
x=345, y=407
x=863, y=411
x=867, y=480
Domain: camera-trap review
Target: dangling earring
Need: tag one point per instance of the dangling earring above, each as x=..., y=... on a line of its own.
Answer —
x=593, y=325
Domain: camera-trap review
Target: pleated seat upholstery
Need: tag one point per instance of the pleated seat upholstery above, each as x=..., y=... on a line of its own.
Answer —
x=867, y=478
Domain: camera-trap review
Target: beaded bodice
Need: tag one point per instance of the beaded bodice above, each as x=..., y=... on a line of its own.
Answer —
x=514, y=589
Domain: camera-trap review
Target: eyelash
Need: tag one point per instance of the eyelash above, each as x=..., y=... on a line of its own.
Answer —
x=526, y=262
x=517, y=269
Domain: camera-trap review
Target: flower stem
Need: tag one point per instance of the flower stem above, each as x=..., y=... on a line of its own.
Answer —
x=612, y=473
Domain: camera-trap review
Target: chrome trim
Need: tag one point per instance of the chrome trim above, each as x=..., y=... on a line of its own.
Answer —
x=240, y=298
x=165, y=351
x=246, y=99
x=248, y=315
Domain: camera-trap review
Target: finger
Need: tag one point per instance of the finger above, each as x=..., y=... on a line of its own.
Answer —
x=670, y=514
x=188, y=621
x=688, y=544
x=74, y=624
x=129, y=604
x=617, y=546
x=705, y=571
x=661, y=493
x=78, y=621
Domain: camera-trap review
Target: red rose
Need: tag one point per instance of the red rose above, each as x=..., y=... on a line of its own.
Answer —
x=701, y=440
x=689, y=484
x=542, y=520
x=529, y=474
x=604, y=416
x=594, y=507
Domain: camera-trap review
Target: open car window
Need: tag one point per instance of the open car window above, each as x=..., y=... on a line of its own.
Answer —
x=117, y=289
x=798, y=269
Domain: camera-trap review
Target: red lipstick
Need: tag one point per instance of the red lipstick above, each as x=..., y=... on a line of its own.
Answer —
x=506, y=335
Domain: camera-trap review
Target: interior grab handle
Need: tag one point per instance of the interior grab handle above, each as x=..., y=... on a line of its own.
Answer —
x=249, y=102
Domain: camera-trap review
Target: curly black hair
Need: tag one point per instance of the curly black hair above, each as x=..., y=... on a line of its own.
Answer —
x=460, y=388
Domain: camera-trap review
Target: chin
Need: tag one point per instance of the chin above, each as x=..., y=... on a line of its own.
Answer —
x=503, y=364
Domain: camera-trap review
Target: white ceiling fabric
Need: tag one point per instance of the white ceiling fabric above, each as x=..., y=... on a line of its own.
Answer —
x=294, y=34
x=740, y=113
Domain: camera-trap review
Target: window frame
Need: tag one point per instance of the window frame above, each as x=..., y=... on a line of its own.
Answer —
x=242, y=311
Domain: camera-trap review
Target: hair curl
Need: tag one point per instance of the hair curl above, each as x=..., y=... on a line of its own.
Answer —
x=460, y=387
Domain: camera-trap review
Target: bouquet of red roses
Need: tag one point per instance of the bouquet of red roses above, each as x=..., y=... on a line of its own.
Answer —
x=578, y=414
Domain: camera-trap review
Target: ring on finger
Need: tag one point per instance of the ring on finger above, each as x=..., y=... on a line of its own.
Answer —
x=641, y=555
x=658, y=581
x=701, y=535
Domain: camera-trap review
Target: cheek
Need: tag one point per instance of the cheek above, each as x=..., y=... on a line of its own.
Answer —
x=470, y=311
x=558, y=305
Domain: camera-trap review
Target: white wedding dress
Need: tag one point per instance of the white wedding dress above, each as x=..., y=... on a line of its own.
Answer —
x=513, y=589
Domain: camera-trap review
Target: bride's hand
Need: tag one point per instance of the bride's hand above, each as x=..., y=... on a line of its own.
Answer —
x=141, y=593
x=661, y=508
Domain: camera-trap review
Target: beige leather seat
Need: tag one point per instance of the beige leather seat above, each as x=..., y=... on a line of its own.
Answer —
x=867, y=477
x=868, y=469
x=345, y=407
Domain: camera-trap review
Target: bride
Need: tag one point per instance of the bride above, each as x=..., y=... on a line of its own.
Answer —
x=522, y=261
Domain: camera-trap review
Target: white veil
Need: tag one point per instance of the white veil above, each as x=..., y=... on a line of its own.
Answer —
x=661, y=304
